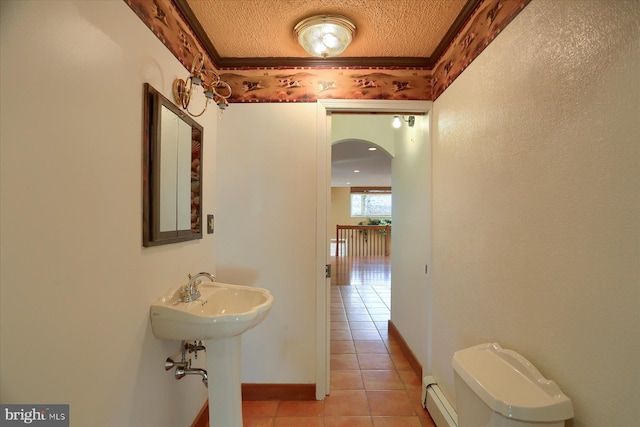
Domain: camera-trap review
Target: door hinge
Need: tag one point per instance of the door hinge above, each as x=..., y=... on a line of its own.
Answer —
x=327, y=270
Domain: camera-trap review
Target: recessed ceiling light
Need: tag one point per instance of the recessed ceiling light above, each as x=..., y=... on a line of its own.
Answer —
x=356, y=171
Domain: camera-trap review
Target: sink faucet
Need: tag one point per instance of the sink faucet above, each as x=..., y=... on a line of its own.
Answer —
x=190, y=291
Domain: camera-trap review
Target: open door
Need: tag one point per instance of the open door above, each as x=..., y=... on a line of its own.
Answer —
x=323, y=145
x=323, y=291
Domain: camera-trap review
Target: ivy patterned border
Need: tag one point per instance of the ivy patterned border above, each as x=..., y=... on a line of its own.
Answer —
x=309, y=84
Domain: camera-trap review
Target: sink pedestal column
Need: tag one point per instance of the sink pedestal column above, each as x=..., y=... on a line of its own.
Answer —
x=225, y=388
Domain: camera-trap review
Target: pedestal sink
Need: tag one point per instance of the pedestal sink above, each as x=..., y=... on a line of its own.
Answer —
x=221, y=314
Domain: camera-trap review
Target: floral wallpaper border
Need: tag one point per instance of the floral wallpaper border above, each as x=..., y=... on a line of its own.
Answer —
x=309, y=84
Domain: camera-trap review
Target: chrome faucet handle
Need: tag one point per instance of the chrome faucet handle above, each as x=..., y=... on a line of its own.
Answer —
x=195, y=295
x=190, y=292
x=186, y=288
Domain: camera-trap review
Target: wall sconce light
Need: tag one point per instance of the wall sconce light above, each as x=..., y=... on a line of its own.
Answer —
x=397, y=122
x=325, y=36
x=183, y=90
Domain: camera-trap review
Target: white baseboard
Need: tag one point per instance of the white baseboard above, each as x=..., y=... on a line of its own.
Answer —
x=436, y=403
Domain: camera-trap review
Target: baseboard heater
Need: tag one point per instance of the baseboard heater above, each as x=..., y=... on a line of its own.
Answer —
x=437, y=404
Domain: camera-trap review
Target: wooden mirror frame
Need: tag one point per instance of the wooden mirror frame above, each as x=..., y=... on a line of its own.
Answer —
x=152, y=235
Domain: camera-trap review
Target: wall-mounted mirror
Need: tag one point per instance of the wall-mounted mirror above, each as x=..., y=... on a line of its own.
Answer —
x=172, y=172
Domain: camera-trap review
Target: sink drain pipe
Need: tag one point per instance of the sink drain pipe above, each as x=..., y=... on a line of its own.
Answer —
x=183, y=367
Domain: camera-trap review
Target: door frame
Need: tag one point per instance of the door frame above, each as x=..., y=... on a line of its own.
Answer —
x=325, y=107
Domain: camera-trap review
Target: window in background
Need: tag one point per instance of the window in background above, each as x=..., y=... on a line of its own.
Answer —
x=371, y=202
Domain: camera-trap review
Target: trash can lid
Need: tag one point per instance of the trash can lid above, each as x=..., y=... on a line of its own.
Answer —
x=509, y=384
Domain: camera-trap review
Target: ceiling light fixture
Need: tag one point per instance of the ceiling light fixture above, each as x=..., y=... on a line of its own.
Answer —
x=210, y=82
x=397, y=123
x=325, y=36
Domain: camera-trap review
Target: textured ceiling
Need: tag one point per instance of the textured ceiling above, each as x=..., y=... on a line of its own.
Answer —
x=249, y=33
x=260, y=32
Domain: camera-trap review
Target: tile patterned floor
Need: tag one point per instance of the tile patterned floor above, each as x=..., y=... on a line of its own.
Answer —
x=372, y=383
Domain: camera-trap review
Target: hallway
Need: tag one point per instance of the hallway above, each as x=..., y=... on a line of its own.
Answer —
x=372, y=383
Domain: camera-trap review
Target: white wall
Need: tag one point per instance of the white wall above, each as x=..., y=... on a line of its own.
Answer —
x=411, y=236
x=536, y=204
x=75, y=281
x=266, y=231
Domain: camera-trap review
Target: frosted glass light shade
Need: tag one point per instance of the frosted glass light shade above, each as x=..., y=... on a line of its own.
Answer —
x=324, y=36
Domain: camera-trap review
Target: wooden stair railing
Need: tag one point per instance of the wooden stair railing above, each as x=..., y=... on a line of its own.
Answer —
x=363, y=240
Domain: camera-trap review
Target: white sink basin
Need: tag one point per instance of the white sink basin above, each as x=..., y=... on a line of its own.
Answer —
x=222, y=311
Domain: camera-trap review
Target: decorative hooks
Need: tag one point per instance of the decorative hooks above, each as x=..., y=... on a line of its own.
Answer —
x=210, y=82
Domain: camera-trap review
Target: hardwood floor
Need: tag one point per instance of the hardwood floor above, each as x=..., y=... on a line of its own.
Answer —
x=370, y=270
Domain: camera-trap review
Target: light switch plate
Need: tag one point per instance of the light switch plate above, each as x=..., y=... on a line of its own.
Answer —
x=209, y=224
